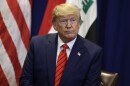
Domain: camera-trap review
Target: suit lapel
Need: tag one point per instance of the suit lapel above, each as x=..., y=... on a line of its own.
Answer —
x=51, y=57
x=75, y=55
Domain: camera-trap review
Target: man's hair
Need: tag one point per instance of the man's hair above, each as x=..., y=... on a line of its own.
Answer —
x=65, y=9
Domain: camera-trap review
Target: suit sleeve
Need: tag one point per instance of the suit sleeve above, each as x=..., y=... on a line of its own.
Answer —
x=26, y=78
x=93, y=76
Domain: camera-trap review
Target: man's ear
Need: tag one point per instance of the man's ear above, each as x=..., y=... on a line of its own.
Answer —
x=55, y=26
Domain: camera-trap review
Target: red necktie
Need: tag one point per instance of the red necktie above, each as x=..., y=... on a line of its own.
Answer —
x=62, y=58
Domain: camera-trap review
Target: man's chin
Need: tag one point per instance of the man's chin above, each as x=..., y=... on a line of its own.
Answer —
x=71, y=37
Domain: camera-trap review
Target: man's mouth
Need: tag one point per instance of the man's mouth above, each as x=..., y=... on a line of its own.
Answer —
x=69, y=32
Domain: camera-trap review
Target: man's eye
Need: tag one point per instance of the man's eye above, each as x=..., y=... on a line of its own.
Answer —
x=72, y=20
x=63, y=20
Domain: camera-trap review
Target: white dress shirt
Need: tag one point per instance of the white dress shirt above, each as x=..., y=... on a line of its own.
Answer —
x=68, y=50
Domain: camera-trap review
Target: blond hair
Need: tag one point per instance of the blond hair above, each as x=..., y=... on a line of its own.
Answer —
x=65, y=9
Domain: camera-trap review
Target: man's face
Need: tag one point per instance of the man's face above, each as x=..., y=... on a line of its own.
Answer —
x=67, y=27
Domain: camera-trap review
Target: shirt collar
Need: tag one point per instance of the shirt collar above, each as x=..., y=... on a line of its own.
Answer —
x=70, y=44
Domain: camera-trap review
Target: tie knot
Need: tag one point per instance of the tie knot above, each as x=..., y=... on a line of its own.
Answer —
x=65, y=46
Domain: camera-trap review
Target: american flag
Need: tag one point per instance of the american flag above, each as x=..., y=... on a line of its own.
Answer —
x=15, y=31
x=15, y=17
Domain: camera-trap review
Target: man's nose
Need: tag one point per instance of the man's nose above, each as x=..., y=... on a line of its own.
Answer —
x=68, y=23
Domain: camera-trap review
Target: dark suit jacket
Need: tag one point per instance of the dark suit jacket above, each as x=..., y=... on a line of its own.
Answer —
x=81, y=70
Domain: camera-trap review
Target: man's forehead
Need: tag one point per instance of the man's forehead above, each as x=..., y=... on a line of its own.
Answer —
x=68, y=16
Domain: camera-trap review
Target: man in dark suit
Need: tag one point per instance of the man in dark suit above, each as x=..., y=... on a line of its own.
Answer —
x=43, y=67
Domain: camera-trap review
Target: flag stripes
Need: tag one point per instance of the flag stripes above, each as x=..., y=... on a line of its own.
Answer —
x=25, y=13
x=22, y=26
x=14, y=32
x=7, y=68
x=3, y=79
x=10, y=50
x=15, y=19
